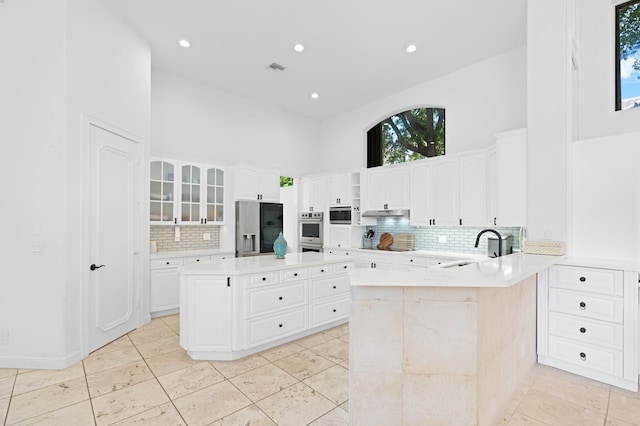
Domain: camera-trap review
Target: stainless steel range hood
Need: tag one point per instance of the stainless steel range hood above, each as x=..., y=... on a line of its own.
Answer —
x=386, y=213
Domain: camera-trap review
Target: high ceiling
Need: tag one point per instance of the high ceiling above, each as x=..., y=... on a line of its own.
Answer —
x=354, y=49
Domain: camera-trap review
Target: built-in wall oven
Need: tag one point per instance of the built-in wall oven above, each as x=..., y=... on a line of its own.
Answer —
x=311, y=231
x=340, y=215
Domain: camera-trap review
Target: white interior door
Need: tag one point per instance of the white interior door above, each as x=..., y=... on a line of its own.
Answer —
x=113, y=281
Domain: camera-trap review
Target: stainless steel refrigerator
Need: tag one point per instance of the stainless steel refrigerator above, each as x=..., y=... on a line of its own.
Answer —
x=257, y=227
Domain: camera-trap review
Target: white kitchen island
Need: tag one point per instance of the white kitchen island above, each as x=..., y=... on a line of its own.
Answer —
x=442, y=346
x=235, y=307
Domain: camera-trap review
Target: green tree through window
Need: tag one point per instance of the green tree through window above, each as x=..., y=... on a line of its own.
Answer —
x=628, y=55
x=407, y=136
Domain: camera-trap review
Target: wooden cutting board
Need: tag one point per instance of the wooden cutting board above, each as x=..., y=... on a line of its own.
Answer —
x=385, y=241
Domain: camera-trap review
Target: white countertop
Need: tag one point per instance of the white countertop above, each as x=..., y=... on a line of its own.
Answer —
x=501, y=272
x=257, y=264
x=184, y=253
x=426, y=253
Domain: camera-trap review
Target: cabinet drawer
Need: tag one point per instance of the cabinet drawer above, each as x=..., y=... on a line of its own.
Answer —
x=319, y=271
x=586, y=305
x=593, y=280
x=264, y=279
x=606, y=360
x=340, y=268
x=322, y=313
x=266, y=329
x=276, y=298
x=196, y=259
x=329, y=287
x=588, y=331
x=165, y=263
x=294, y=275
x=416, y=261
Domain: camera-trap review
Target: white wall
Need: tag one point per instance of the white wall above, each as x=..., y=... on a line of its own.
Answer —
x=606, y=197
x=33, y=137
x=480, y=100
x=596, y=23
x=190, y=120
x=60, y=58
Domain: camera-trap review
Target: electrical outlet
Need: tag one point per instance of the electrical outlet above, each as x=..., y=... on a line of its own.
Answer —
x=36, y=249
x=4, y=337
x=176, y=234
x=206, y=236
x=442, y=239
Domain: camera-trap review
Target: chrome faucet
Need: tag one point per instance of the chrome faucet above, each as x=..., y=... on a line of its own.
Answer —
x=497, y=234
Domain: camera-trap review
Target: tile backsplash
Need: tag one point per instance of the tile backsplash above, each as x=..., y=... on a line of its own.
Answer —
x=459, y=239
x=191, y=237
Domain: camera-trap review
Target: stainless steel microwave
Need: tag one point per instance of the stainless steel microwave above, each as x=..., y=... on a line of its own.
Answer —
x=340, y=215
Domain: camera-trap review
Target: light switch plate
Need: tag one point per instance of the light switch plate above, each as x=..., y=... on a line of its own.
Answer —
x=206, y=236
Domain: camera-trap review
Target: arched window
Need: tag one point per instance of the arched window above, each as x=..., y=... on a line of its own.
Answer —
x=628, y=55
x=406, y=136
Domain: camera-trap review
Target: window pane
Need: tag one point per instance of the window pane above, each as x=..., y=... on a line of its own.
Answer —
x=211, y=212
x=155, y=211
x=219, y=213
x=220, y=195
x=155, y=192
x=155, y=170
x=167, y=170
x=186, y=193
x=185, y=212
x=167, y=211
x=195, y=196
x=167, y=191
x=219, y=177
x=195, y=174
x=186, y=174
x=211, y=194
x=195, y=212
x=211, y=176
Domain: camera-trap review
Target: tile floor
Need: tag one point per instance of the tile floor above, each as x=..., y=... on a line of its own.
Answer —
x=146, y=378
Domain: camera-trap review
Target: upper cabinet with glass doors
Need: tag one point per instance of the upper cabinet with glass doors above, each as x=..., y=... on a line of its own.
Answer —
x=198, y=190
x=162, y=192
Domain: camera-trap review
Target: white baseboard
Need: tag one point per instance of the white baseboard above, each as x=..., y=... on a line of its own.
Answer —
x=38, y=363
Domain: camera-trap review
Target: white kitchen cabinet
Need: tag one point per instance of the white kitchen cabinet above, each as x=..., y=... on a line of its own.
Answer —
x=388, y=187
x=445, y=188
x=163, y=191
x=473, y=189
x=375, y=260
x=164, y=281
x=588, y=323
x=186, y=193
x=164, y=286
x=421, y=195
x=251, y=183
x=312, y=195
x=202, y=194
x=208, y=324
x=225, y=318
x=507, y=175
x=339, y=189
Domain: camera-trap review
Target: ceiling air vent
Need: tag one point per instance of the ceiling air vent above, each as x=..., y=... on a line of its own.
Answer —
x=276, y=66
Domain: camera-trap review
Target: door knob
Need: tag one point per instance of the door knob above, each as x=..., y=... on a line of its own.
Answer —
x=93, y=267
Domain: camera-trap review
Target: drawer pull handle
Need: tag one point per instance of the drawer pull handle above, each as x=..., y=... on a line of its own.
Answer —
x=583, y=356
x=583, y=306
x=197, y=260
x=168, y=263
x=264, y=278
x=295, y=274
x=582, y=279
x=335, y=310
x=280, y=325
x=345, y=266
x=321, y=270
x=410, y=260
x=280, y=298
x=583, y=330
x=334, y=286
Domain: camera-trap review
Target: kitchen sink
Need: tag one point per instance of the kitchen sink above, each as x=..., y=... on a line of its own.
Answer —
x=456, y=263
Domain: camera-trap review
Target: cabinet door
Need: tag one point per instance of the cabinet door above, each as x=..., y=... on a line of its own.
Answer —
x=473, y=189
x=213, y=194
x=511, y=148
x=339, y=189
x=207, y=313
x=376, y=188
x=164, y=289
x=446, y=193
x=269, y=185
x=397, y=187
x=163, y=192
x=190, y=193
x=421, y=193
x=306, y=194
x=312, y=194
x=246, y=183
x=339, y=236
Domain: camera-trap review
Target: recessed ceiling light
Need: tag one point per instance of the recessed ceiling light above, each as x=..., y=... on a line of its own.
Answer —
x=298, y=47
x=411, y=48
x=184, y=43
x=314, y=95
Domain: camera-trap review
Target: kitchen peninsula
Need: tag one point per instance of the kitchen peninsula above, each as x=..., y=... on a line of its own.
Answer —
x=230, y=308
x=442, y=345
